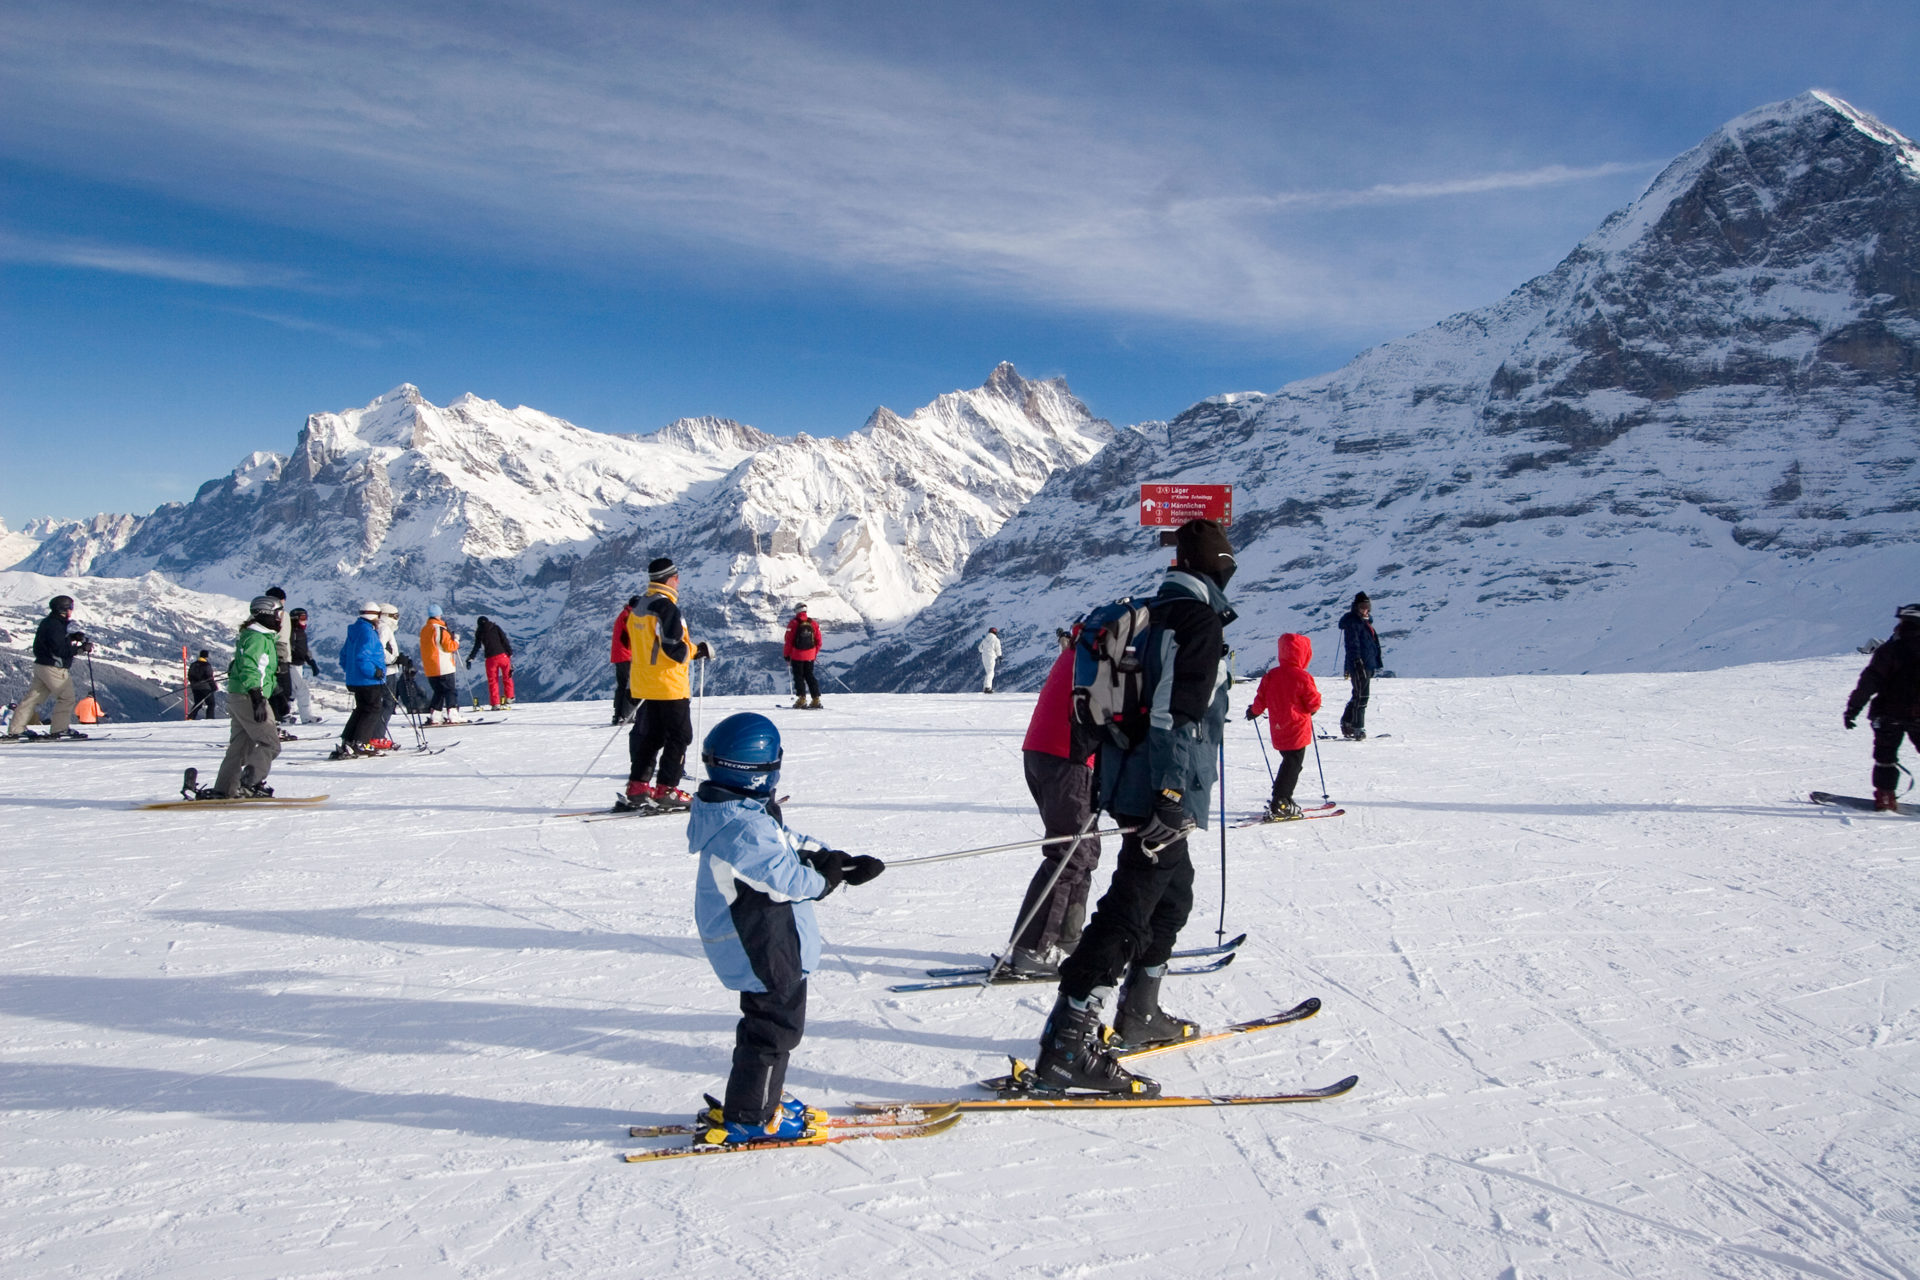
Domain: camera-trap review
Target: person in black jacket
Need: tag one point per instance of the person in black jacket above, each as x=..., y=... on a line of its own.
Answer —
x=300, y=653
x=1362, y=646
x=1891, y=683
x=56, y=642
x=201, y=685
x=488, y=638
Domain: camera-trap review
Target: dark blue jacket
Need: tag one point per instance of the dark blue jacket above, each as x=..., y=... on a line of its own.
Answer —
x=52, y=645
x=1362, y=645
x=363, y=658
x=1185, y=668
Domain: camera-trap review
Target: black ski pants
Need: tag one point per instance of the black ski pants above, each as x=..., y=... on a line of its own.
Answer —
x=622, y=691
x=202, y=702
x=1138, y=919
x=1063, y=789
x=1887, y=737
x=804, y=683
x=1355, y=716
x=662, y=732
x=369, y=714
x=446, y=693
x=281, y=699
x=1291, y=763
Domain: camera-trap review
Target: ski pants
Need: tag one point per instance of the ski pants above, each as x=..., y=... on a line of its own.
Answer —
x=662, y=730
x=622, y=691
x=804, y=682
x=302, y=695
x=1887, y=737
x=446, y=693
x=249, y=742
x=1063, y=789
x=202, y=708
x=1138, y=919
x=989, y=664
x=50, y=684
x=1291, y=763
x=364, y=724
x=1355, y=716
x=281, y=699
x=499, y=678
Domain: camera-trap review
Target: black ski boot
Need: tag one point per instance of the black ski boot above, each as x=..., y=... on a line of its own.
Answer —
x=1073, y=1057
x=1142, y=1022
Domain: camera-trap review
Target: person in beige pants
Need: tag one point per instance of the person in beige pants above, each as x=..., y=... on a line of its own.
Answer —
x=54, y=645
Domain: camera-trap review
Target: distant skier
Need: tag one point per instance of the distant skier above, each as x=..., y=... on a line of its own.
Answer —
x=364, y=663
x=280, y=697
x=253, y=735
x=623, y=664
x=1362, y=647
x=1891, y=682
x=439, y=651
x=1160, y=785
x=662, y=723
x=801, y=648
x=753, y=906
x=201, y=687
x=1289, y=697
x=489, y=639
x=989, y=649
x=1059, y=771
x=301, y=650
x=56, y=643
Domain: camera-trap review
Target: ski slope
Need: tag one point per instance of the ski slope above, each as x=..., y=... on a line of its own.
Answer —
x=1622, y=1004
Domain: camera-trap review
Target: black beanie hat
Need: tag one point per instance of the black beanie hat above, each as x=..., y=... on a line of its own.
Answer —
x=660, y=569
x=633, y=602
x=1200, y=546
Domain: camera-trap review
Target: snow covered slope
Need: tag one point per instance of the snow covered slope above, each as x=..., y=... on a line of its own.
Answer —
x=1621, y=1004
x=547, y=527
x=1694, y=442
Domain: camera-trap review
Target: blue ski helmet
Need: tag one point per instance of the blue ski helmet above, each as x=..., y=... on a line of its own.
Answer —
x=742, y=753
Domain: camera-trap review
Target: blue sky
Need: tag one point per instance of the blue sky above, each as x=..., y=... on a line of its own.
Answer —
x=217, y=218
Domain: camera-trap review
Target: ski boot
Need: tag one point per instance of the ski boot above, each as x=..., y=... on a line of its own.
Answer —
x=1073, y=1057
x=800, y=702
x=638, y=795
x=1023, y=962
x=672, y=798
x=791, y=1121
x=249, y=789
x=791, y=1108
x=814, y=705
x=1283, y=811
x=1141, y=1022
x=1885, y=802
x=380, y=744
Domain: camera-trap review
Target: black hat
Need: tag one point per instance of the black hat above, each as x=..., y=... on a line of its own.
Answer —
x=275, y=592
x=58, y=603
x=633, y=602
x=204, y=653
x=660, y=569
x=1201, y=546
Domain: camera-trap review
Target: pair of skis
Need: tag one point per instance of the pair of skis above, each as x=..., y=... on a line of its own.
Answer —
x=1264, y=818
x=888, y=1121
x=963, y=976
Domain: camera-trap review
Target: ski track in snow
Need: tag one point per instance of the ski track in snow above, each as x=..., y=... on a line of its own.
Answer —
x=1622, y=1004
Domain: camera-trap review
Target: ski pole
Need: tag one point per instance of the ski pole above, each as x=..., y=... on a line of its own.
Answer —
x=1004, y=848
x=596, y=760
x=1314, y=731
x=1026, y=917
x=1262, y=740
x=1220, y=934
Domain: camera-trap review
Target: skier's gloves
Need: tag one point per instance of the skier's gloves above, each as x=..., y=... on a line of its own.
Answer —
x=1252, y=714
x=863, y=868
x=702, y=651
x=1167, y=823
x=1849, y=718
x=315, y=668
x=469, y=664
x=830, y=863
x=259, y=706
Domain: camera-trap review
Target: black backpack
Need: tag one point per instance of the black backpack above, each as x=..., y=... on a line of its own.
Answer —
x=806, y=635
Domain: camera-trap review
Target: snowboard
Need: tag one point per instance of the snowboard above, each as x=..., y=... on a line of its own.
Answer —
x=1860, y=802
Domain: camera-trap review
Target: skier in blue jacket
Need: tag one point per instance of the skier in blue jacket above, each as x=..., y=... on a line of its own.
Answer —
x=363, y=660
x=1362, y=645
x=753, y=905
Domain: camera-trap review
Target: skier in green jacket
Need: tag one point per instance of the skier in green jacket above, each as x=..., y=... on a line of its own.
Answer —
x=253, y=741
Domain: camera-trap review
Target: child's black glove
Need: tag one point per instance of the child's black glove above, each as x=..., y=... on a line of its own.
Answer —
x=259, y=706
x=836, y=867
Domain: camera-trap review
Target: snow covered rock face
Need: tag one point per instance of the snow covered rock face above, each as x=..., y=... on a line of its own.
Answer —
x=1693, y=443
x=547, y=527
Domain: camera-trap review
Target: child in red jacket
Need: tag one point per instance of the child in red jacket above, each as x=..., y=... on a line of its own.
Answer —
x=1289, y=697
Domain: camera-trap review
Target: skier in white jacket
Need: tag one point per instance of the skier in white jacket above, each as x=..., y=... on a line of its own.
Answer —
x=990, y=655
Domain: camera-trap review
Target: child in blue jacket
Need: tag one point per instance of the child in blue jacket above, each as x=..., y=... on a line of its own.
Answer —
x=753, y=903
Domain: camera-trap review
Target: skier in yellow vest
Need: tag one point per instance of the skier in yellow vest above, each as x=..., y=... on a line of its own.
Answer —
x=663, y=650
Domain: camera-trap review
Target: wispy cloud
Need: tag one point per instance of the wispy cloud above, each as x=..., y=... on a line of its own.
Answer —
x=608, y=133
x=153, y=264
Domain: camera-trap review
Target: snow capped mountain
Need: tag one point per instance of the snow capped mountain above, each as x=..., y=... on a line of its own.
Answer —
x=547, y=527
x=1693, y=443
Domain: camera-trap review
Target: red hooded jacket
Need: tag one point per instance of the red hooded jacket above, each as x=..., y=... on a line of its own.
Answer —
x=801, y=653
x=621, y=653
x=1289, y=696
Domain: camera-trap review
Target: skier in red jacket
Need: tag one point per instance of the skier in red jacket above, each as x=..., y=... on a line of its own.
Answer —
x=801, y=648
x=623, y=664
x=1289, y=697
